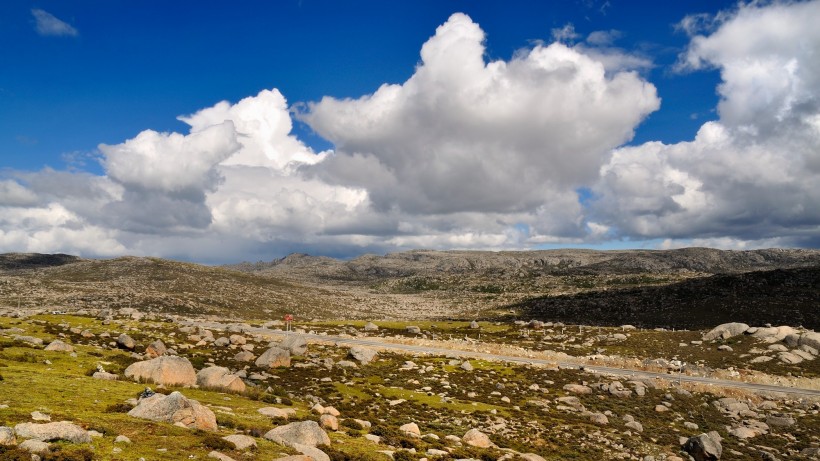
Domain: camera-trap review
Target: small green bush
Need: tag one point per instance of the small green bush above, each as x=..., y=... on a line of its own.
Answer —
x=119, y=408
x=216, y=442
x=59, y=453
x=352, y=424
x=8, y=453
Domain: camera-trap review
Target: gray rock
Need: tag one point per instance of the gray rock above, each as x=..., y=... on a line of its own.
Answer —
x=167, y=370
x=413, y=330
x=242, y=442
x=811, y=339
x=274, y=357
x=34, y=446
x=726, y=331
x=476, y=438
x=295, y=344
x=222, y=341
x=370, y=326
x=303, y=433
x=363, y=354
x=7, y=436
x=219, y=378
x=466, y=365
x=63, y=430
x=156, y=349
x=634, y=425
x=105, y=376
x=244, y=356
x=474, y=325
x=28, y=339
x=175, y=408
x=126, y=342
x=704, y=447
x=311, y=451
x=59, y=346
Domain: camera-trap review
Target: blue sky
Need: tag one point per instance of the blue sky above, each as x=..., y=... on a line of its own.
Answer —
x=81, y=74
x=134, y=66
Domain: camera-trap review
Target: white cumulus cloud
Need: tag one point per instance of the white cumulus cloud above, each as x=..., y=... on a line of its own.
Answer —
x=752, y=175
x=48, y=24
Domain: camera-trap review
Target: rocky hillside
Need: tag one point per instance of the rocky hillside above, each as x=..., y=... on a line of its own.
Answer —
x=533, y=263
x=652, y=288
x=782, y=296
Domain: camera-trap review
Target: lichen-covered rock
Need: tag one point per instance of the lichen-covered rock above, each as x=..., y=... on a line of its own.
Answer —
x=704, y=447
x=156, y=349
x=476, y=438
x=303, y=433
x=62, y=430
x=363, y=354
x=167, y=370
x=242, y=442
x=219, y=378
x=7, y=436
x=175, y=408
x=295, y=344
x=126, y=342
x=726, y=331
x=59, y=346
x=274, y=357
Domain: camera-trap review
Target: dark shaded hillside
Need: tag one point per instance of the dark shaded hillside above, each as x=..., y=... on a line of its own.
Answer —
x=783, y=296
x=24, y=261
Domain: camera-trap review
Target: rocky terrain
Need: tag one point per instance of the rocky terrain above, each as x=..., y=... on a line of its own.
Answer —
x=670, y=289
x=637, y=355
x=124, y=384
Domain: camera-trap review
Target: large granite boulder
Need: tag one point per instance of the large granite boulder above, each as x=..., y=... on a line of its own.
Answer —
x=726, y=331
x=219, y=378
x=167, y=370
x=704, y=447
x=274, y=357
x=176, y=409
x=62, y=430
x=295, y=344
x=303, y=433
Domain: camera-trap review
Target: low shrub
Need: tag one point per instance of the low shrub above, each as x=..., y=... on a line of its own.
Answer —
x=216, y=442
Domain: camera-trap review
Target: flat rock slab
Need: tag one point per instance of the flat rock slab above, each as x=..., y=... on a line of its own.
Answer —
x=62, y=430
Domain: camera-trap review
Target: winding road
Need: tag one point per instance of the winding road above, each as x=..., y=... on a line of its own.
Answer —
x=626, y=372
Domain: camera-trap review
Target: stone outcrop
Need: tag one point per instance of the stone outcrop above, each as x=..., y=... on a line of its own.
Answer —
x=704, y=447
x=363, y=354
x=59, y=346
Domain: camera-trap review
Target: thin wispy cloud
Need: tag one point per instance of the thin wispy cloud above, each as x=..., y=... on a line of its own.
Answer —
x=47, y=24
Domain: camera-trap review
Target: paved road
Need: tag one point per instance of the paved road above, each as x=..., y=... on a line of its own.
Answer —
x=633, y=374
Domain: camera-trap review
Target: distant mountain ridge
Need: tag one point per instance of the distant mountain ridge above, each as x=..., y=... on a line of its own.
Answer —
x=542, y=262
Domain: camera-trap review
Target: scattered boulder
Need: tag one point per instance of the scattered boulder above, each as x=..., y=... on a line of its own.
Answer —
x=370, y=326
x=219, y=456
x=466, y=365
x=811, y=339
x=474, y=325
x=411, y=429
x=237, y=339
x=790, y=358
x=635, y=426
x=303, y=433
x=476, y=438
x=412, y=329
x=704, y=447
x=242, y=442
x=329, y=422
x=63, y=430
x=126, y=342
x=578, y=389
x=221, y=341
x=176, y=409
x=273, y=412
x=156, y=349
x=7, y=436
x=295, y=344
x=28, y=339
x=105, y=376
x=59, y=346
x=274, y=357
x=244, y=356
x=37, y=447
x=726, y=331
x=219, y=378
x=122, y=439
x=363, y=354
x=599, y=418
x=167, y=370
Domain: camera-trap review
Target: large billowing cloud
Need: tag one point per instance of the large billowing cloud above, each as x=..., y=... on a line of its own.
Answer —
x=464, y=154
x=753, y=174
x=466, y=135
